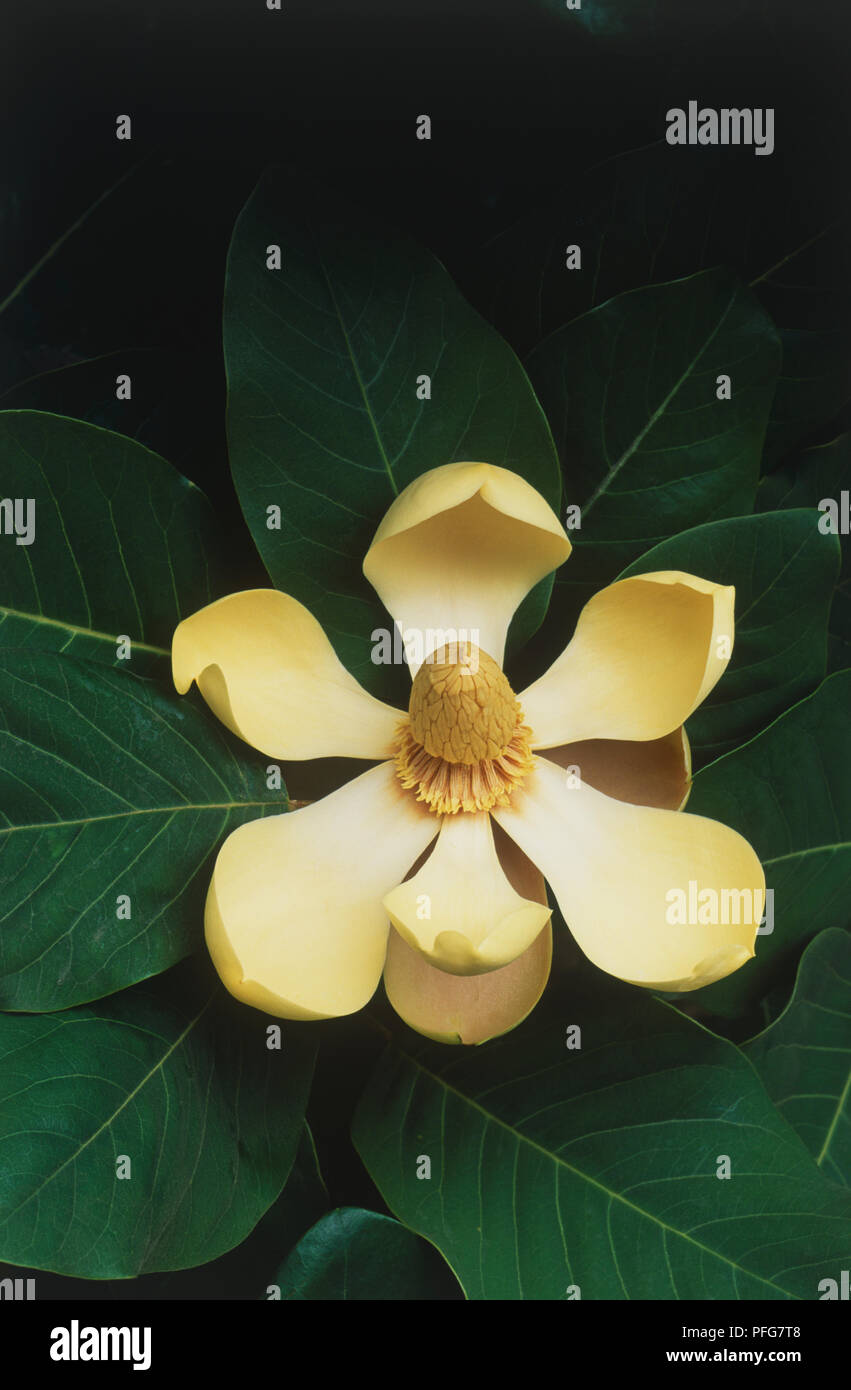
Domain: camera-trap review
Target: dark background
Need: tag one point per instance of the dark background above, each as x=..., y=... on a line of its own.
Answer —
x=524, y=98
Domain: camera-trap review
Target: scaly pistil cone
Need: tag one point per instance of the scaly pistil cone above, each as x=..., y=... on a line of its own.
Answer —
x=464, y=745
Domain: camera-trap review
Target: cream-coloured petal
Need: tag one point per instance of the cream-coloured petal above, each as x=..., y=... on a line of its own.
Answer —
x=646, y=652
x=656, y=772
x=457, y=552
x=267, y=670
x=295, y=923
x=473, y=1008
x=629, y=881
x=459, y=909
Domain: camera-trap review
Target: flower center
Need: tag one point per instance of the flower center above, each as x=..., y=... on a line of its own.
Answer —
x=464, y=745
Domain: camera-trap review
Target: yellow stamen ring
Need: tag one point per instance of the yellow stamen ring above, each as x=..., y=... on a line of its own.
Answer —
x=464, y=745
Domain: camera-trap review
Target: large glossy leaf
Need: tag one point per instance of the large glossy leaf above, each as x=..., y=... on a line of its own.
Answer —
x=123, y=545
x=113, y=797
x=804, y=1057
x=355, y=1254
x=784, y=571
x=175, y=1078
x=819, y=474
x=554, y=1169
x=647, y=447
x=323, y=359
x=788, y=791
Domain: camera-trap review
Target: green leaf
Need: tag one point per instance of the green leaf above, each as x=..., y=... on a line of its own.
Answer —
x=804, y=482
x=180, y=1082
x=244, y=1273
x=303, y=1201
x=554, y=1168
x=123, y=545
x=812, y=389
x=648, y=450
x=788, y=792
x=819, y=474
x=109, y=789
x=248, y=1270
x=357, y=1254
x=804, y=1057
x=784, y=571
x=323, y=359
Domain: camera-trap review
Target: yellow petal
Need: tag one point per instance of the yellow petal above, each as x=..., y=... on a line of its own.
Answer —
x=656, y=772
x=266, y=668
x=629, y=881
x=646, y=652
x=459, y=909
x=473, y=1008
x=457, y=552
x=294, y=920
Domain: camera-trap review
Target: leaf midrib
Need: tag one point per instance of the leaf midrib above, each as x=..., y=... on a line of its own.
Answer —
x=519, y=1137
x=74, y=628
x=839, y=1110
x=657, y=413
x=63, y=237
x=803, y=853
x=359, y=379
x=140, y=811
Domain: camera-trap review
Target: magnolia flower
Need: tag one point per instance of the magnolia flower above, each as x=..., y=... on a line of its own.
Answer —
x=430, y=866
